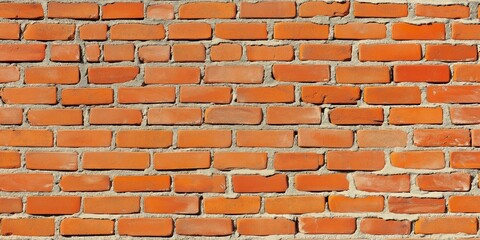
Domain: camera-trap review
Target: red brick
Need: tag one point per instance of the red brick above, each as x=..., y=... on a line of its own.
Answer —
x=451, y=53
x=413, y=205
x=356, y=116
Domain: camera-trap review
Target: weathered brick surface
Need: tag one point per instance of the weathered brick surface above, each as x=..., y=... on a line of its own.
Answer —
x=285, y=119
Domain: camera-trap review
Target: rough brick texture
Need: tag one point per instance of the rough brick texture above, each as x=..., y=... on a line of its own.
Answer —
x=285, y=119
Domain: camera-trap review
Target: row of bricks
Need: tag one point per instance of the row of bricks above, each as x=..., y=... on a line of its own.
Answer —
x=227, y=10
x=275, y=115
x=252, y=74
x=240, y=31
x=226, y=161
x=405, y=95
x=165, y=227
x=196, y=52
x=277, y=183
x=222, y=138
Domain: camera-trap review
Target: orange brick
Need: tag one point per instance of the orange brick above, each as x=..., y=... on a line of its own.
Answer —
x=442, y=11
x=277, y=9
x=333, y=138
x=9, y=74
x=93, y=32
x=241, y=31
x=87, y=11
x=181, y=160
x=378, y=226
x=226, y=52
x=172, y=204
x=275, y=94
x=234, y=74
x=52, y=205
x=199, y=10
x=174, y=116
x=47, y=117
x=357, y=31
x=233, y=115
x=84, y=138
x=416, y=205
x=356, y=116
x=407, y=31
x=189, y=31
x=26, y=182
x=443, y=182
x=137, y=31
x=114, y=116
x=381, y=138
x=294, y=204
x=405, y=116
x=188, y=52
x=122, y=10
x=65, y=53
x=160, y=11
x=383, y=10
x=256, y=183
x=22, y=52
x=382, y=183
x=204, y=226
x=26, y=138
x=29, y=95
x=84, y=183
x=392, y=95
x=21, y=10
x=389, y=52
x=86, y=227
x=339, y=203
x=11, y=159
x=285, y=161
x=462, y=31
x=145, y=227
x=87, y=96
x=11, y=116
x=418, y=159
x=109, y=75
x=240, y=205
x=293, y=115
x=42, y=227
x=446, y=225
x=327, y=52
x=172, y=75
x=66, y=161
x=270, y=53
x=421, y=73
x=132, y=95
x=300, y=31
x=205, y=94
x=54, y=75
x=111, y=205
x=321, y=183
x=441, y=137
x=116, y=160
x=141, y=183
x=335, y=225
x=265, y=138
x=358, y=160
x=11, y=205
x=144, y=138
x=451, y=53
x=265, y=226
x=218, y=138
x=9, y=31
x=154, y=53
x=239, y=160
x=49, y=31
x=118, y=52
x=199, y=183
x=330, y=94
x=320, y=8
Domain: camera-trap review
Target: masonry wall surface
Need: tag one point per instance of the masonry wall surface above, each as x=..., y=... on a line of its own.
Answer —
x=239, y=119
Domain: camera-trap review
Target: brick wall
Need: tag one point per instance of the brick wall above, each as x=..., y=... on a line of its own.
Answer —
x=288, y=119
